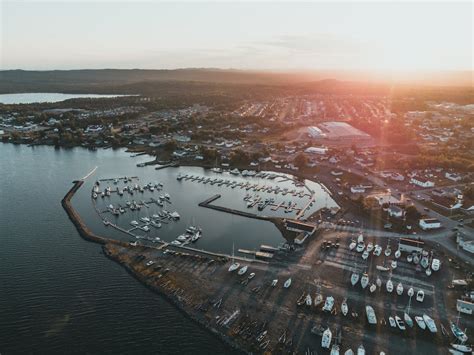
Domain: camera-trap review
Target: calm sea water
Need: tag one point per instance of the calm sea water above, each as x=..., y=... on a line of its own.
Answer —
x=28, y=98
x=58, y=293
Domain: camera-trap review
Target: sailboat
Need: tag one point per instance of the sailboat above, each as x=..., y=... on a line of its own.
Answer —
x=354, y=278
x=344, y=307
x=430, y=323
x=458, y=333
x=411, y=292
x=364, y=280
x=371, y=318
x=328, y=304
x=389, y=286
x=400, y=323
x=361, y=350
x=408, y=320
x=399, y=289
x=372, y=288
x=421, y=323
x=352, y=245
x=326, y=339
x=398, y=253
x=243, y=270
x=234, y=266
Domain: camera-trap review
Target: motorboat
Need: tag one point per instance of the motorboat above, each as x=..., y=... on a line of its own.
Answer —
x=134, y=223
x=398, y=253
x=360, y=238
x=234, y=266
x=430, y=323
x=349, y=352
x=372, y=288
x=326, y=339
x=382, y=268
x=420, y=322
x=408, y=320
x=411, y=292
x=364, y=281
x=410, y=258
x=371, y=318
x=392, y=322
x=243, y=270
x=365, y=255
x=360, y=247
x=329, y=304
x=400, y=323
x=399, y=289
x=146, y=228
x=425, y=262
x=182, y=237
x=428, y=271
x=458, y=333
x=196, y=236
x=274, y=282
x=308, y=300
x=394, y=264
x=416, y=259
x=377, y=250
x=388, y=251
x=145, y=219
x=420, y=295
x=389, y=286
x=287, y=283
x=462, y=348
x=344, y=307
x=361, y=350
x=370, y=247
x=352, y=245
x=334, y=350
x=176, y=242
x=174, y=215
x=354, y=278
x=435, y=264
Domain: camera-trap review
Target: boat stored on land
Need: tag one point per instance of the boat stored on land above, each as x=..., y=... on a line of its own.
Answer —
x=430, y=323
x=371, y=318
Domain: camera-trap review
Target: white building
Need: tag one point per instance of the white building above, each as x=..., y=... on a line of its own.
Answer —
x=316, y=150
x=315, y=132
x=395, y=211
x=416, y=180
x=453, y=176
x=357, y=189
x=429, y=223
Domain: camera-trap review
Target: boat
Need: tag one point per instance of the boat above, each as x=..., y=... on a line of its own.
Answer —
x=435, y=264
x=94, y=195
x=146, y=228
x=308, y=300
x=344, y=307
x=372, y=288
x=234, y=266
x=334, y=350
x=287, y=283
x=462, y=348
x=167, y=196
x=420, y=296
x=145, y=219
x=352, y=245
x=360, y=238
x=428, y=271
x=408, y=320
x=378, y=282
x=388, y=251
x=392, y=322
x=106, y=223
x=329, y=304
x=389, y=286
x=416, y=259
x=361, y=350
x=349, y=352
x=182, y=237
x=371, y=318
x=430, y=323
x=318, y=299
x=364, y=281
x=398, y=253
x=326, y=339
x=174, y=215
x=134, y=223
x=196, y=236
x=458, y=333
x=382, y=268
x=421, y=323
x=399, y=289
x=251, y=276
x=425, y=262
x=360, y=247
x=411, y=292
x=235, y=171
x=274, y=282
x=370, y=247
x=176, y=242
x=394, y=264
x=400, y=323
x=354, y=278
x=300, y=300
x=365, y=255
x=377, y=250
x=410, y=258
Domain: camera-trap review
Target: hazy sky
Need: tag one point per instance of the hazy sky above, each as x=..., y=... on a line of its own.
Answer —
x=249, y=35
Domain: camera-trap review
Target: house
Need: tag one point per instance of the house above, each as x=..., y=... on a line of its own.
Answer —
x=422, y=182
x=446, y=202
x=395, y=211
x=385, y=198
x=429, y=223
x=453, y=176
x=411, y=245
x=357, y=189
x=316, y=150
x=465, y=306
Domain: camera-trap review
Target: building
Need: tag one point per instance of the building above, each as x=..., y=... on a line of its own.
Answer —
x=385, y=198
x=447, y=203
x=422, y=182
x=429, y=223
x=465, y=306
x=315, y=132
x=453, y=176
x=316, y=150
x=357, y=189
x=411, y=245
x=395, y=211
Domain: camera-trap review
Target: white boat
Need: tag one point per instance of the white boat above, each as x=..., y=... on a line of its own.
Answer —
x=416, y=259
x=458, y=333
x=175, y=242
x=428, y=271
x=398, y=253
x=308, y=300
x=274, y=282
x=388, y=251
x=377, y=250
x=420, y=295
x=354, y=278
x=421, y=323
x=378, y=282
x=430, y=323
x=371, y=318
x=349, y=352
x=408, y=320
x=364, y=281
x=400, y=323
x=287, y=283
x=425, y=262
x=389, y=286
x=145, y=219
x=344, y=307
x=392, y=322
x=373, y=288
x=134, y=223
x=335, y=350
x=399, y=289
x=382, y=268
x=251, y=276
x=182, y=237
x=365, y=255
x=394, y=264
x=167, y=196
x=234, y=266
x=411, y=292
x=243, y=270
x=326, y=339
x=196, y=236
x=174, y=215
x=370, y=247
x=410, y=258
x=329, y=304
x=361, y=350
x=462, y=348
x=146, y=228
x=352, y=245
x=360, y=238
x=318, y=299
x=435, y=264
x=360, y=247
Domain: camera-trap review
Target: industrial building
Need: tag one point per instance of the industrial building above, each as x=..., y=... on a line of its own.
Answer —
x=337, y=131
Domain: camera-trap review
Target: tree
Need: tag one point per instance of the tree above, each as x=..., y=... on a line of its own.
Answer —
x=301, y=160
x=170, y=146
x=412, y=213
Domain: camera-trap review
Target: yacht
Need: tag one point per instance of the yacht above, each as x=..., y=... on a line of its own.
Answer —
x=371, y=318
x=364, y=281
x=389, y=286
x=344, y=307
x=408, y=320
x=326, y=339
x=243, y=270
x=287, y=283
x=400, y=323
x=354, y=278
x=430, y=323
x=458, y=333
x=399, y=289
x=421, y=323
x=361, y=350
x=329, y=304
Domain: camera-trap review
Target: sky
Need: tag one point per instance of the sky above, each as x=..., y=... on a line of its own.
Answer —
x=355, y=35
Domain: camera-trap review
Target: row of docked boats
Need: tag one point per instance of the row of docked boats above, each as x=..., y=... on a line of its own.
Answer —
x=130, y=189
x=191, y=235
x=326, y=340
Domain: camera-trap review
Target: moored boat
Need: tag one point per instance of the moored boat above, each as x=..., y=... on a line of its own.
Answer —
x=287, y=283
x=420, y=322
x=354, y=278
x=408, y=320
x=430, y=323
x=371, y=317
x=344, y=307
x=364, y=281
x=326, y=339
x=458, y=333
